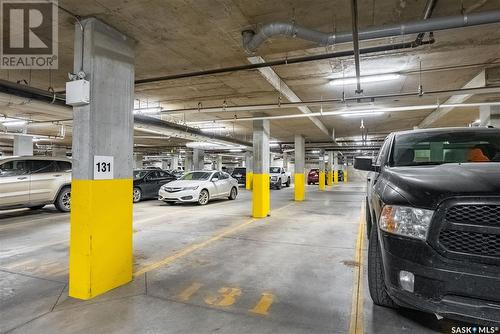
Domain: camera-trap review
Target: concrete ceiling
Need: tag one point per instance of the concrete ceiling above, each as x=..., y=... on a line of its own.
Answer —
x=190, y=35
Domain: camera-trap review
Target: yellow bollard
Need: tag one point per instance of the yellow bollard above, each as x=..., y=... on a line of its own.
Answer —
x=336, y=176
x=248, y=180
x=345, y=176
x=321, y=180
x=260, y=196
x=330, y=178
x=300, y=190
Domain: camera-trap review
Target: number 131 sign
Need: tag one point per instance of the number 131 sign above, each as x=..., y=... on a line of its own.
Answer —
x=103, y=167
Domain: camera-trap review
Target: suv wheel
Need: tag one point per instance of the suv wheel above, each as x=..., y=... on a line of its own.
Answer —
x=137, y=195
x=376, y=281
x=288, y=182
x=63, y=200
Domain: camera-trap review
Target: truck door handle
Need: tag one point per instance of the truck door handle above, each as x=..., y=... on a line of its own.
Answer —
x=22, y=178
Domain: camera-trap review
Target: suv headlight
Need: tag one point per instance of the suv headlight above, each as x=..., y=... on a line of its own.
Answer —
x=190, y=188
x=406, y=221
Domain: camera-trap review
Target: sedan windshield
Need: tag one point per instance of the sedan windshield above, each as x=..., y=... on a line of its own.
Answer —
x=435, y=148
x=274, y=170
x=199, y=176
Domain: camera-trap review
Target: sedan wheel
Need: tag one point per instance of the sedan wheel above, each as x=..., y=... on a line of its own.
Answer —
x=233, y=193
x=203, y=198
x=137, y=195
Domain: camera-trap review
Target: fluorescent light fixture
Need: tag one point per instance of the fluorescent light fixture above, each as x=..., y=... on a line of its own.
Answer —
x=14, y=123
x=362, y=113
x=151, y=110
x=365, y=79
x=235, y=150
x=274, y=144
x=315, y=152
x=214, y=128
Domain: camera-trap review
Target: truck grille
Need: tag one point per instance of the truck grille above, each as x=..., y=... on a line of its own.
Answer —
x=472, y=230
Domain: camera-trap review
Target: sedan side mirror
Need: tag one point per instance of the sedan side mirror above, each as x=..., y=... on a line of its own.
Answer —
x=366, y=164
x=215, y=179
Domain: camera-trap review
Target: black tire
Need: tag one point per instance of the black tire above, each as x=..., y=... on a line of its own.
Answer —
x=204, y=197
x=279, y=185
x=37, y=207
x=368, y=218
x=309, y=183
x=376, y=283
x=137, y=195
x=233, y=193
x=63, y=200
x=288, y=182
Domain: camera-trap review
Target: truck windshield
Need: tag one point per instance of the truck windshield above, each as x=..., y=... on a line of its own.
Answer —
x=435, y=148
x=275, y=170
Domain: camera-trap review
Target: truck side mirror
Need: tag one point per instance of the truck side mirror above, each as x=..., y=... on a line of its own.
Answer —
x=366, y=164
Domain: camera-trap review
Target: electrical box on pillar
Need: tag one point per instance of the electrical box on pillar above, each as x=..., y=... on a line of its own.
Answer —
x=77, y=93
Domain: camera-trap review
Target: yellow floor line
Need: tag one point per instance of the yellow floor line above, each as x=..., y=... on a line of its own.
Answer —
x=356, y=325
x=194, y=247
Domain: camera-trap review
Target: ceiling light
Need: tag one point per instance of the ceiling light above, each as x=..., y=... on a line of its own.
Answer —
x=365, y=79
x=235, y=150
x=315, y=152
x=274, y=144
x=152, y=110
x=14, y=123
x=362, y=113
x=213, y=128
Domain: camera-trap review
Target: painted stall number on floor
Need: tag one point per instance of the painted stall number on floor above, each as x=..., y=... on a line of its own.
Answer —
x=227, y=297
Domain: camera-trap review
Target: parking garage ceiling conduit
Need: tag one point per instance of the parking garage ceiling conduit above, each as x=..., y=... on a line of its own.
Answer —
x=252, y=40
x=140, y=121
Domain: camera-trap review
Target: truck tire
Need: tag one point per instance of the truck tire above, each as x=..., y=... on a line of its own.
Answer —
x=368, y=218
x=63, y=200
x=376, y=283
x=279, y=185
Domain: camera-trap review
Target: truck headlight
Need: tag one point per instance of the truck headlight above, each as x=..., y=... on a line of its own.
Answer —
x=406, y=221
x=274, y=178
x=190, y=188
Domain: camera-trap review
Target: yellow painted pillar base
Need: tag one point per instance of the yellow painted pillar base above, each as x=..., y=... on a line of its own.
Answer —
x=345, y=176
x=321, y=180
x=330, y=178
x=336, y=176
x=261, y=200
x=100, y=256
x=248, y=180
x=300, y=187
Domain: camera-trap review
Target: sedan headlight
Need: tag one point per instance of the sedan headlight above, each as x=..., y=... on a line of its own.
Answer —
x=190, y=188
x=406, y=221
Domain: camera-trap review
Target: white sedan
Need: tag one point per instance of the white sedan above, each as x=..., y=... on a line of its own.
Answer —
x=199, y=186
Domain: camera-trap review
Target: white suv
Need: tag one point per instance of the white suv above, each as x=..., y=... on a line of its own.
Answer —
x=34, y=182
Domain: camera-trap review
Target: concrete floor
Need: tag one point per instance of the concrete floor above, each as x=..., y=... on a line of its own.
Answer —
x=206, y=269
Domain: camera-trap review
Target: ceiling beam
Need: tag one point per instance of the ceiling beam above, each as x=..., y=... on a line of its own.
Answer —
x=273, y=78
x=479, y=80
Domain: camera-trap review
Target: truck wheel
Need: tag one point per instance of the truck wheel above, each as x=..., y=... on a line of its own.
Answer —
x=63, y=200
x=368, y=218
x=279, y=185
x=376, y=281
x=288, y=182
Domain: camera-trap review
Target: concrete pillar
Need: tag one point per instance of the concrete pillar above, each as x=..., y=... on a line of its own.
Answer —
x=59, y=151
x=490, y=116
x=23, y=145
x=198, y=159
x=219, y=162
x=188, y=163
x=261, y=200
x=138, y=164
x=329, y=168
x=335, y=167
x=321, y=181
x=249, y=170
x=299, y=176
x=101, y=189
x=165, y=164
x=285, y=160
x=175, y=162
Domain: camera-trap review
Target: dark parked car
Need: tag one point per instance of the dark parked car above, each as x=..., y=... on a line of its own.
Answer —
x=240, y=174
x=147, y=183
x=433, y=221
x=313, y=176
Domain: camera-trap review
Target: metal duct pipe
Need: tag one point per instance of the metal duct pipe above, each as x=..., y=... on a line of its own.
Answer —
x=355, y=44
x=429, y=8
x=252, y=40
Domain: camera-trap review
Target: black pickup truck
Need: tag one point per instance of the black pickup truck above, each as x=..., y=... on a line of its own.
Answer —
x=433, y=222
